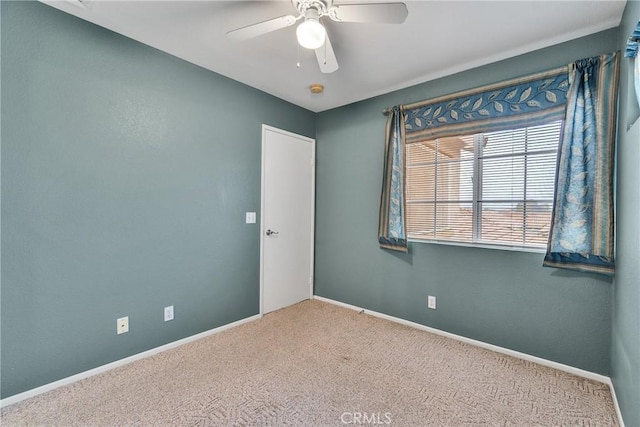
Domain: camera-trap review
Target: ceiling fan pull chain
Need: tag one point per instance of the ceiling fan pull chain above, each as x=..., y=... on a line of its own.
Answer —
x=325, y=50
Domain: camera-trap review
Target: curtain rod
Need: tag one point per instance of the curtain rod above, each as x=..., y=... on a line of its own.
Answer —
x=387, y=110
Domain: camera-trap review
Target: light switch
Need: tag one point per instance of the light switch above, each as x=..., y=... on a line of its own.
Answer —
x=251, y=218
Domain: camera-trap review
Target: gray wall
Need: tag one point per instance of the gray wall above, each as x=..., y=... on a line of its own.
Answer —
x=500, y=297
x=625, y=356
x=126, y=174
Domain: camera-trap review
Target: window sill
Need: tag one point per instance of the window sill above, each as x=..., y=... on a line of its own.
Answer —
x=480, y=245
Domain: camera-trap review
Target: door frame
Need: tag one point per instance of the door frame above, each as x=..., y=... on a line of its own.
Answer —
x=312, y=141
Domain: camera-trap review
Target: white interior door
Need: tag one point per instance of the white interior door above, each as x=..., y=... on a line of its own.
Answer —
x=287, y=223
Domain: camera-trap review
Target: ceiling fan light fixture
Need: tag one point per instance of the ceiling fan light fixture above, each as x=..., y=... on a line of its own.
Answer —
x=311, y=34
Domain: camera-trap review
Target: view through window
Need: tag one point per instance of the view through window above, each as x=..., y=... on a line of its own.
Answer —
x=493, y=188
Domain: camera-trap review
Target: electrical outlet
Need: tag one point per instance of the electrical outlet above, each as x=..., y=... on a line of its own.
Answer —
x=431, y=302
x=122, y=325
x=168, y=313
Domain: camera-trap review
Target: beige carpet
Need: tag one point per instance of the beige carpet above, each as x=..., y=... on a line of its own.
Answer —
x=318, y=364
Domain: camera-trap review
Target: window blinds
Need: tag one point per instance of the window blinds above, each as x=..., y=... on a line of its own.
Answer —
x=492, y=188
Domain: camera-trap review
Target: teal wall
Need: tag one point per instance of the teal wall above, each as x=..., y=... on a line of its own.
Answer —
x=126, y=174
x=500, y=297
x=625, y=348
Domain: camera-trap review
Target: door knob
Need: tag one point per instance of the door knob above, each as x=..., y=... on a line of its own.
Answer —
x=271, y=232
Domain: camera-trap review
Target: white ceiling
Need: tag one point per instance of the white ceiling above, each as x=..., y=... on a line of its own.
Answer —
x=437, y=39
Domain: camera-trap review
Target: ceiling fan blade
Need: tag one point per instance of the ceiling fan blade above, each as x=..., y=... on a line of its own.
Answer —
x=384, y=13
x=326, y=57
x=260, y=28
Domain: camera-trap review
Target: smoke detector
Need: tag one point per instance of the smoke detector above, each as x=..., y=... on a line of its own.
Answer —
x=316, y=88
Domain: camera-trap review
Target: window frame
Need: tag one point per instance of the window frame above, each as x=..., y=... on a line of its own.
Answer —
x=477, y=201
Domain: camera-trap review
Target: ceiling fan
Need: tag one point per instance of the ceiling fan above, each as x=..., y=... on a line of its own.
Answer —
x=311, y=34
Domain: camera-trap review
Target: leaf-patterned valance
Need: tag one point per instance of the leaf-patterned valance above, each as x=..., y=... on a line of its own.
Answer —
x=526, y=101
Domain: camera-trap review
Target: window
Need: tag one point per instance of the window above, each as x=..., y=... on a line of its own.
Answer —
x=494, y=188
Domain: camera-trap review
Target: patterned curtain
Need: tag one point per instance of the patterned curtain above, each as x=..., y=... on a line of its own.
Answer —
x=632, y=52
x=636, y=77
x=582, y=225
x=391, y=226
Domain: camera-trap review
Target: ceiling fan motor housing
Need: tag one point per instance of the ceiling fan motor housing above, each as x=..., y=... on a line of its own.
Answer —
x=320, y=6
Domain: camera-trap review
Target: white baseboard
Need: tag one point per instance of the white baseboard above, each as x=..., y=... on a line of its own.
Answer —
x=100, y=369
x=562, y=367
x=544, y=362
x=615, y=402
x=524, y=356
